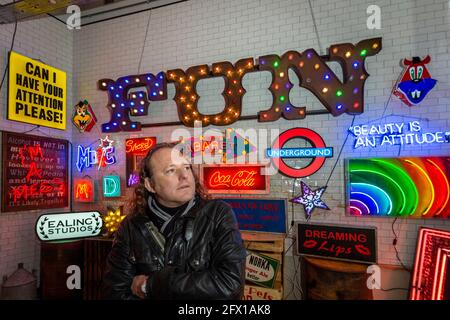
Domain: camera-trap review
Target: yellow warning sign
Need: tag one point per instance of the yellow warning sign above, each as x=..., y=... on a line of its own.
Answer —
x=37, y=92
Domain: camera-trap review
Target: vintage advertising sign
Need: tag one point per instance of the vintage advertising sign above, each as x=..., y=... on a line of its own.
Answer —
x=345, y=243
x=36, y=92
x=227, y=179
x=261, y=269
x=73, y=225
x=34, y=172
x=431, y=275
x=136, y=149
x=252, y=214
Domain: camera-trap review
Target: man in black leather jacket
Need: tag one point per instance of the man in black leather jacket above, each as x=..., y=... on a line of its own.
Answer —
x=176, y=244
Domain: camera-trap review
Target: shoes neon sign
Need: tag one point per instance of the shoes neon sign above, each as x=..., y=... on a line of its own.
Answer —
x=313, y=73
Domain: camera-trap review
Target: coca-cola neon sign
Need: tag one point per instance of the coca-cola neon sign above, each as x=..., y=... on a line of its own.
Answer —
x=246, y=179
x=314, y=74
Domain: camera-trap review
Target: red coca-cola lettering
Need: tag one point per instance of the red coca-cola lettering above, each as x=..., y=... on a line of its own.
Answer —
x=242, y=178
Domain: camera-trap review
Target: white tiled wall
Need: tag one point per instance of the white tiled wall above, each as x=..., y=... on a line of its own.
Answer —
x=207, y=31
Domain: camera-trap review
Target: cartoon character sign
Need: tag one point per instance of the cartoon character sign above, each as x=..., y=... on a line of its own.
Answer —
x=416, y=81
x=84, y=118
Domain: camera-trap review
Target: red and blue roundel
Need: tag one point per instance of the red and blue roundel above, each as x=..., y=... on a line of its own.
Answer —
x=416, y=81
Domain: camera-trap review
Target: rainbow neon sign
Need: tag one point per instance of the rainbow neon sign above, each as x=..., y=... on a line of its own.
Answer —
x=399, y=187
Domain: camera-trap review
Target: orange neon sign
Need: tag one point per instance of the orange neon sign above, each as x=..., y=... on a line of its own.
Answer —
x=84, y=190
x=139, y=145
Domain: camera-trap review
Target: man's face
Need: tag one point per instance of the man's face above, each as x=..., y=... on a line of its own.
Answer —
x=173, y=181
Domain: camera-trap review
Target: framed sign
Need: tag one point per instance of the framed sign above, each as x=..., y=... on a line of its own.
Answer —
x=36, y=92
x=338, y=242
x=431, y=275
x=34, y=172
x=253, y=214
x=235, y=178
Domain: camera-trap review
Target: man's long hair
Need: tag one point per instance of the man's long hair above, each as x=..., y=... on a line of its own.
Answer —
x=140, y=201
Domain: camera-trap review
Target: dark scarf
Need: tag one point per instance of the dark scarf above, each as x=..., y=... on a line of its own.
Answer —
x=164, y=217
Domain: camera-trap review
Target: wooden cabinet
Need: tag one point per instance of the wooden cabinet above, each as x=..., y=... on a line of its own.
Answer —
x=327, y=279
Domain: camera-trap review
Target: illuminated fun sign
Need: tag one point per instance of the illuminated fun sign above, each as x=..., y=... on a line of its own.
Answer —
x=311, y=69
x=319, y=152
x=235, y=179
x=390, y=134
x=346, y=243
x=431, y=276
x=63, y=226
x=136, y=149
x=111, y=186
x=36, y=92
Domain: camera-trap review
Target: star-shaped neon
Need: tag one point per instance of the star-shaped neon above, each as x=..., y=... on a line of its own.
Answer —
x=310, y=199
x=106, y=143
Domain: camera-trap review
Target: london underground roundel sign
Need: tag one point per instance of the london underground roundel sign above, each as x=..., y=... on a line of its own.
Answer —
x=318, y=152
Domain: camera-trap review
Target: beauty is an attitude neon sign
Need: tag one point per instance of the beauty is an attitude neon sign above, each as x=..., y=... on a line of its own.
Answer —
x=337, y=96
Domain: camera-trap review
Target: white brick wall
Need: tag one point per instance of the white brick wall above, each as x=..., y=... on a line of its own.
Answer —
x=208, y=31
x=51, y=42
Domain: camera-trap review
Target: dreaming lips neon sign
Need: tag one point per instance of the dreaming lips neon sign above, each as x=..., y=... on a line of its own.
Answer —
x=319, y=152
x=390, y=134
x=312, y=70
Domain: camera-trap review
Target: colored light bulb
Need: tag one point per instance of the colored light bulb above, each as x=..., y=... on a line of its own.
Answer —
x=276, y=64
x=355, y=64
x=339, y=93
x=326, y=76
x=363, y=52
x=282, y=98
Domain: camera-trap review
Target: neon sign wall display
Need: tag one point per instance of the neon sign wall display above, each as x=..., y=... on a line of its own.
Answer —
x=390, y=134
x=319, y=152
x=399, y=187
x=432, y=266
x=103, y=156
x=136, y=149
x=313, y=73
x=244, y=179
x=416, y=81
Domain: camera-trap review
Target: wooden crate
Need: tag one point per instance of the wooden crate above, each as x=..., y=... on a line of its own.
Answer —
x=272, y=245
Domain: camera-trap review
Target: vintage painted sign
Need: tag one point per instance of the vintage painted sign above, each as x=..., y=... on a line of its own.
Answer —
x=35, y=172
x=73, y=225
x=339, y=242
x=36, y=92
x=243, y=179
x=261, y=269
x=84, y=117
x=252, y=214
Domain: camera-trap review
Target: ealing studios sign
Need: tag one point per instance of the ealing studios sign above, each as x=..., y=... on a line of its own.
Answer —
x=73, y=225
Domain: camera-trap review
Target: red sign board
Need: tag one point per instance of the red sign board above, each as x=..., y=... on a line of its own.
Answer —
x=243, y=179
x=136, y=149
x=431, y=268
x=35, y=172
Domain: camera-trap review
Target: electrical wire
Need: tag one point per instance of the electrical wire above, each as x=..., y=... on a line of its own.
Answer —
x=12, y=46
x=394, y=244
